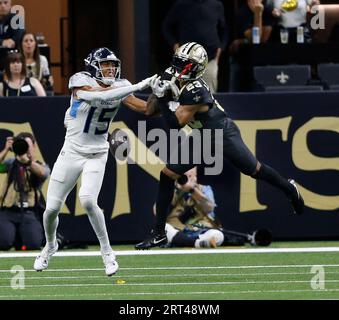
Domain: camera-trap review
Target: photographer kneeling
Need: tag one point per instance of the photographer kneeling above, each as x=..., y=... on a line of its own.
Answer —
x=20, y=194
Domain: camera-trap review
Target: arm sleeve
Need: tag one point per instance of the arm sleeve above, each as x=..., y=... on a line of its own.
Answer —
x=113, y=94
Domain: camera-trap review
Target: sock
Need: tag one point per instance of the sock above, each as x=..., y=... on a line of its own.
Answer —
x=164, y=198
x=182, y=240
x=51, y=222
x=271, y=176
x=97, y=220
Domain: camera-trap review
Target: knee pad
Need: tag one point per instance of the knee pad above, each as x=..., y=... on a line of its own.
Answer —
x=53, y=205
x=213, y=233
x=88, y=203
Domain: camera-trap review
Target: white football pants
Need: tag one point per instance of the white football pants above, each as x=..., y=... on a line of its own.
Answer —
x=66, y=171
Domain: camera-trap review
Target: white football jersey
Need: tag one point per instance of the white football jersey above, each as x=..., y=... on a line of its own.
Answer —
x=87, y=123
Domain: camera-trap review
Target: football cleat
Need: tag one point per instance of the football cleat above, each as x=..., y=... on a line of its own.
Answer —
x=296, y=199
x=42, y=260
x=156, y=240
x=111, y=265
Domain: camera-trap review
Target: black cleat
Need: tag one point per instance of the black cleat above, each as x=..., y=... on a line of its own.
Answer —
x=155, y=240
x=296, y=199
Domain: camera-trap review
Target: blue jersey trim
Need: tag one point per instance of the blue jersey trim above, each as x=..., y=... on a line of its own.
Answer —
x=74, y=109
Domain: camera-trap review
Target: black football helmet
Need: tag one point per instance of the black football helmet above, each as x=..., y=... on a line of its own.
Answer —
x=93, y=65
x=189, y=61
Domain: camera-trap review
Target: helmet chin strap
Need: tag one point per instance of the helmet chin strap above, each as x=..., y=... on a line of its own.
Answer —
x=188, y=67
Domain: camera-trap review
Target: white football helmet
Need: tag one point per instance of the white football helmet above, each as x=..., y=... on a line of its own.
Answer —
x=189, y=61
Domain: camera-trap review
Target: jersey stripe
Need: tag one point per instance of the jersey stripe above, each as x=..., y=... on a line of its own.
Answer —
x=74, y=109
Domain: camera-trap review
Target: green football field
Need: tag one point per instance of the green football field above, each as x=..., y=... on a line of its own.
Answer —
x=167, y=274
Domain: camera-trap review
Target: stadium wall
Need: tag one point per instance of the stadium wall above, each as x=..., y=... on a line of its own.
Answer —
x=298, y=134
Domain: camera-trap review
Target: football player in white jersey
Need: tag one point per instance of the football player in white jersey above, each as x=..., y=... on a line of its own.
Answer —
x=96, y=97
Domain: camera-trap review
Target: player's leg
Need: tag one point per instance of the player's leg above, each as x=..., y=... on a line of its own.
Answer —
x=239, y=154
x=91, y=183
x=65, y=173
x=174, y=171
x=163, y=201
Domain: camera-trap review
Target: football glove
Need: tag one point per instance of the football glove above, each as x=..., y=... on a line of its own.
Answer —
x=144, y=84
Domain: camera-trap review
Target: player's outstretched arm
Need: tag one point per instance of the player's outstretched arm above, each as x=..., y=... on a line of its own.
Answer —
x=135, y=104
x=91, y=94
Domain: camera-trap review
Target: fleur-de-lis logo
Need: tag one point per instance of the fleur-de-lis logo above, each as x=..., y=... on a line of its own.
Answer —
x=283, y=78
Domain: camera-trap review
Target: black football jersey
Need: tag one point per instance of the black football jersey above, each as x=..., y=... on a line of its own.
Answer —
x=197, y=92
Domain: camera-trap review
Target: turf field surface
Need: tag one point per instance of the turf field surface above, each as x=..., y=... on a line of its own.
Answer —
x=227, y=273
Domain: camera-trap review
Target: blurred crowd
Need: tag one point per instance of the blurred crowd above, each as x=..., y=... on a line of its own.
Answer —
x=269, y=22
x=23, y=70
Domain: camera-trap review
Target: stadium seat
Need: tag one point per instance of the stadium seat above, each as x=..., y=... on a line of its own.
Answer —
x=329, y=74
x=293, y=88
x=282, y=76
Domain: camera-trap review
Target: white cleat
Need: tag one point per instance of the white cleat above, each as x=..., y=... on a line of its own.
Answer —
x=41, y=261
x=111, y=265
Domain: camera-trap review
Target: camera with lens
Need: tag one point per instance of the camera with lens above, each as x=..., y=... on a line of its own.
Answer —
x=20, y=146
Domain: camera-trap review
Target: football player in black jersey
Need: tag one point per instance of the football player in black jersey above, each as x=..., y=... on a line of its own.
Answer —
x=183, y=98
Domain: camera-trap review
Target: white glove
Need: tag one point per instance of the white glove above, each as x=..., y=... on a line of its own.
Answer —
x=159, y=87
x=144, y=84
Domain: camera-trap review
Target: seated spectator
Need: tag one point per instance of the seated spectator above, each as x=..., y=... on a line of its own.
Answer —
x=9, y=37
x=251, y=13
x=15, y=81
x=192, y=221
x=290, y=15
x=36, y=64
x=20, y=195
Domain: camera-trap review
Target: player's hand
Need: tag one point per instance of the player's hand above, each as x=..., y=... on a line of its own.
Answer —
x=159, y=87
x=144, y=84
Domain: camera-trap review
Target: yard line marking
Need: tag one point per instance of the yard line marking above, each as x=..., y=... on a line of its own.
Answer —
x=30, y=296
x=170, y=275
x=152, y=284
x=173, y=251
x=188, y=268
